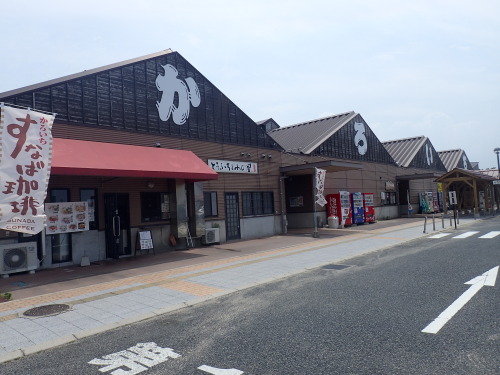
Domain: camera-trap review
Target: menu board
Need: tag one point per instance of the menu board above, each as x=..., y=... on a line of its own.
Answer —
x=67, y=217
x=145, y=240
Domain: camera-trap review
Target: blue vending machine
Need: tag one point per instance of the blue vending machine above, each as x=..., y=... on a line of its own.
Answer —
x=358, y=214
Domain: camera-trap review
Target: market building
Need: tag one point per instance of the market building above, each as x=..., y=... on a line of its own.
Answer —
x=419, y=166
x=159, y=155
x=156, y=158
x=353, y=157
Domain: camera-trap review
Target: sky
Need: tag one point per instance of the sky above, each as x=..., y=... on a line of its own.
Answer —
x=410, y=68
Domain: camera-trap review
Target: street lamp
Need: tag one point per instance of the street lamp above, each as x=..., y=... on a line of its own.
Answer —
x=497, y=151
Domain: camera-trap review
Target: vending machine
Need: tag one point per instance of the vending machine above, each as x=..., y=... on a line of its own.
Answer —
x=369, y=207
x=339, y=205
x=358, y=214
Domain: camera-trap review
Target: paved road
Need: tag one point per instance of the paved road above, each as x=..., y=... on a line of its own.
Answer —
x=365, y=319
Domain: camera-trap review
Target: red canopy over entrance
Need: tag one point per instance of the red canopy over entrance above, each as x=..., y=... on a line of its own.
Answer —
x=85, y=158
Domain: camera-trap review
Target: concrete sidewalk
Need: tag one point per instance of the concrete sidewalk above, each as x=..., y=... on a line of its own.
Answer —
x=57, y=306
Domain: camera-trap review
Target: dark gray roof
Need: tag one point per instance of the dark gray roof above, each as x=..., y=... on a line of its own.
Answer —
x=452, y=158
x=404, y=150
x=263, y=121
x=82, y=74
x=307, y=136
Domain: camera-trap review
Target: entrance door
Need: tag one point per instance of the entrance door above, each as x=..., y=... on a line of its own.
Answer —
x=232, y=216
x=117, y=219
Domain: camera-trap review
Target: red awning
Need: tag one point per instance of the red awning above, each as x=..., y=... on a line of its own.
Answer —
x=84, y=158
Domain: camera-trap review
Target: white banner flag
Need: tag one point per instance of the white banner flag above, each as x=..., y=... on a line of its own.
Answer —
x=320, y=186
x=320, y=180
x=25, y=160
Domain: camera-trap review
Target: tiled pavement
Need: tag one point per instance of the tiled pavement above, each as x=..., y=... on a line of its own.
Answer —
x=118, y=296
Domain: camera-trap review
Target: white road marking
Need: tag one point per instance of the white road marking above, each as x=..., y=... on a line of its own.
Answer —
x=486, y=279
x=491, y=234
x=465, y=235
x=134, y=360
x=440, y=235
x=219, y=371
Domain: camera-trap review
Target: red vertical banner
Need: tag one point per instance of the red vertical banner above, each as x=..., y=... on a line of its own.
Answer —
x=25, y=161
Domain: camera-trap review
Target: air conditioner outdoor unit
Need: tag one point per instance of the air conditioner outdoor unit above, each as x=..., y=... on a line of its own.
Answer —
x=18, y=257
x=212, y=235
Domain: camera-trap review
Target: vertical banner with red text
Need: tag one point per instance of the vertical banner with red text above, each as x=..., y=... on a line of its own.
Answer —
x=25, y=160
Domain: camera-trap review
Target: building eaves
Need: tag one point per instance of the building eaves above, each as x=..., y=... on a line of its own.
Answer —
x=81, y=74
x=305, y=137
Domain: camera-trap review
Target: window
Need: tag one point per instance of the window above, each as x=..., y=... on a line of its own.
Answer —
x=258, y=203
x=387, y=198
x=90, y=196
x=155, y=207
x=210, y=198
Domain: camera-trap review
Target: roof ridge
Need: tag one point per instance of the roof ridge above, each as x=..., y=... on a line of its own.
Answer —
x=453, y=149
x=405, y=139
x=320, y=119
x=86, y=72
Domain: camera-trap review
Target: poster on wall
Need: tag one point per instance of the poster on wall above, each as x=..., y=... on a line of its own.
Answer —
x=67, y=217
x=26, y=153
x=297, y=201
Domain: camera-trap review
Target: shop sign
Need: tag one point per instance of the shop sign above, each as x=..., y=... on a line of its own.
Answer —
x=228, y=166
x=360, y=138
x=428, y=155
x=389, y=186
x=186, y=91
x=67, y=217
x=26, y=152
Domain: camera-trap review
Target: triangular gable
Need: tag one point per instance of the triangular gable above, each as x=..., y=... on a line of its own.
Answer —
x=455, y=159
x=427, y=158
x=354, y=140
x=306, y=137
x=415, y=152
x=342, y=136
x=159, y=93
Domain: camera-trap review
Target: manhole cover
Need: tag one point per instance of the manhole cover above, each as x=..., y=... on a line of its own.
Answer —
x=46, y=310
x=335, y=266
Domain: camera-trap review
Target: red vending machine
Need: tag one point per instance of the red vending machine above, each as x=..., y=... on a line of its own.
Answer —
x=369, y=207
x=339, y=205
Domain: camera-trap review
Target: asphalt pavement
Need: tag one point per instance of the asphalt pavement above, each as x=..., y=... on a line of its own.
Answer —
x=57, y=306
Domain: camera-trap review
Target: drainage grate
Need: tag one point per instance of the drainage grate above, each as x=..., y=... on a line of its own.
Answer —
x=336, y=266
x=46, y=310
